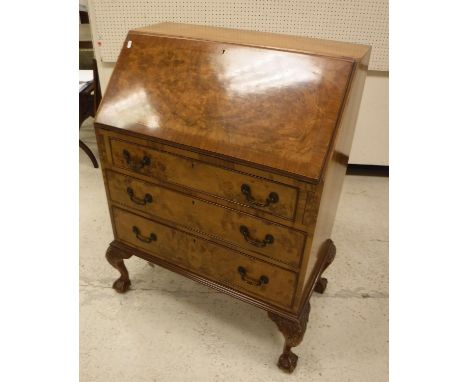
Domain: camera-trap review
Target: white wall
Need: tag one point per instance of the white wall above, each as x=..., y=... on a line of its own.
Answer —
x=370, y=144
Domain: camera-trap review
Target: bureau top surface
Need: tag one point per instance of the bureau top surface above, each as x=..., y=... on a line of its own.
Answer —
x=233, y=94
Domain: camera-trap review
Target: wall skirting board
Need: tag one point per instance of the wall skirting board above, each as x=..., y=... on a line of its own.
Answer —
x=367, y=170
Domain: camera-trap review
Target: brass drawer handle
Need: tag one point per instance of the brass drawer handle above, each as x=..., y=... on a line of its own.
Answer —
x=261, y=281
x=139, y=236
x=245, y=231
x=147, y=199
x=136, y=166
x=272, y=198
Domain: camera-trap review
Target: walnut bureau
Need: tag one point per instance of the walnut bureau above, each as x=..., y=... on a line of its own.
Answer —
x=223, y=155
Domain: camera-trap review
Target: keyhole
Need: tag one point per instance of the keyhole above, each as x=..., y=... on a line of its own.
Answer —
x=193, y=202
x=223, y=51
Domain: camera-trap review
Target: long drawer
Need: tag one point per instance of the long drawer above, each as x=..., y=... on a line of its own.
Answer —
x=206, y=258
x=279, y=242
x=259, y=193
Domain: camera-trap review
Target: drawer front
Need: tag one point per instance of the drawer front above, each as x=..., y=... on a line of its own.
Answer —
x=206, y=258
x=262, y=194
x=281, y=243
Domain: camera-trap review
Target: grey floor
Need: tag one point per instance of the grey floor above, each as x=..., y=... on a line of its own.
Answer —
x=168, y=328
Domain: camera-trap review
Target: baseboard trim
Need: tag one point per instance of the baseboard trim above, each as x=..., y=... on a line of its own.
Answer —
x=367, y=170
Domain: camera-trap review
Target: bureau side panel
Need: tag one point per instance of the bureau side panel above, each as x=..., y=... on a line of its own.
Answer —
x=329, y=191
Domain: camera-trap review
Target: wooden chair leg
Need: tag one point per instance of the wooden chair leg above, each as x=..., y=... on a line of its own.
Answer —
x=90, y=154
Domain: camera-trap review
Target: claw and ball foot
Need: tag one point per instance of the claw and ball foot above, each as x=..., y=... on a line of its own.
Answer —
x=322, y=282
x=115, y=258
x=293, y=332
x=121, y=285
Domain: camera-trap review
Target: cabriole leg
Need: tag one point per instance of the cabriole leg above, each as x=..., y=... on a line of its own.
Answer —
x=293, y=332
x=322, y=282
x=115, y=258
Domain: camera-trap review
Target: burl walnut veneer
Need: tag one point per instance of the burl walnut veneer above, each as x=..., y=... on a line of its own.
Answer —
x=223, y=154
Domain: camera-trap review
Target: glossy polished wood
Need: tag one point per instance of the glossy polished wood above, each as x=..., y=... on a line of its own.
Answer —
x=196, y=214
x=325, y=198
x=273, y=108
x=201, y=176
x=328, y=48
x=205, y=258
x=223, y=154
